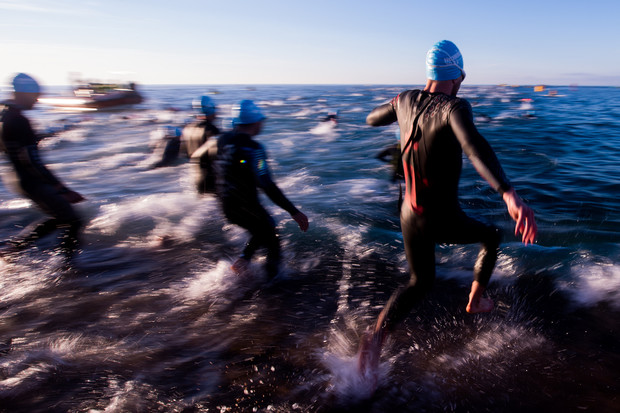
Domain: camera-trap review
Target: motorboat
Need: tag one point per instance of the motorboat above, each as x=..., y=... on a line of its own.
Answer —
x=97, y=96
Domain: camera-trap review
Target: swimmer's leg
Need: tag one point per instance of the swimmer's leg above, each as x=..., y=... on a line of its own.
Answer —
x=462, y=229
x=261, y=226
x=273, y=252
x=64, y=217
x=69, y=239
x=477, y=303
x=420, y=252
x=487, y=257
x=369, y=353
x=242, y=264
x=264, y=234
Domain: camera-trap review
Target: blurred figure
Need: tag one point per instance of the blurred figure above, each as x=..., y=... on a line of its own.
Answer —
x=331, y=116
x=528, y=108
x=199, y=147
x=391, y=155
x=169, y=146
x=241, y=169
x=31, y=177
x=436, y=128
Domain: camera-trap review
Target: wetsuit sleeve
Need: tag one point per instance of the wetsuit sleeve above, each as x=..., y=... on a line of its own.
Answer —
x=21, y=145
x=382, y=115
x=477, y=148
x=264, y=181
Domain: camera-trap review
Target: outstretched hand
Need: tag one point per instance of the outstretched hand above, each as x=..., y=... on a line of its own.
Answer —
x=302, y=220
x=523, y=216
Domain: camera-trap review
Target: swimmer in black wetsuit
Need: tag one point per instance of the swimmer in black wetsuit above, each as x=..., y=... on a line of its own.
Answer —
x=435, y=128
x=331, y=117
x=199, y=145
x=241, y=168
x=33, y=179
x=169, y=146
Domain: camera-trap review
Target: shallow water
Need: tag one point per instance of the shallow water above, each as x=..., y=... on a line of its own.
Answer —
x=150, y=318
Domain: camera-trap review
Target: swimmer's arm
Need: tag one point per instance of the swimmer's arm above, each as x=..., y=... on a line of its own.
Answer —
x=478, y=150
x=382, y=115
x=264, y=181
x=277, y=196
x=486, y=163
x=522, y=215
x=209, y=147
x=21, y=144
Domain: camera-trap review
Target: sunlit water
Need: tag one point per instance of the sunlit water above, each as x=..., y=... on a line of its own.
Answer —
x=150, y=317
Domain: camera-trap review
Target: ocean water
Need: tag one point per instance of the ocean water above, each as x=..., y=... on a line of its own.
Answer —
x=150, y=317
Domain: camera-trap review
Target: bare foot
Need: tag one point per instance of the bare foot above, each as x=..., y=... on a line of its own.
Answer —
x=368, y=354
x=482, y=305
x=477, y=303
x=240, y=267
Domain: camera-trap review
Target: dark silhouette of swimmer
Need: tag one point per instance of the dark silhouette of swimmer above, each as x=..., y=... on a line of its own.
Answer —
x=331, y=117
x=198, y=139
x=169, y=146
x=241, y=168
x=31, y=178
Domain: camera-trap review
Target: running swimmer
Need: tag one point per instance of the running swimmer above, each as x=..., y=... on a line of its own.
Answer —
x=241, y=168
x=168, y=147
x=33, y=179
x=436, y=127
x=199, y=145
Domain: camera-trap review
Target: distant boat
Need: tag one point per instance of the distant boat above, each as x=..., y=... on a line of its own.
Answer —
x=97, y=96
x=539, y=88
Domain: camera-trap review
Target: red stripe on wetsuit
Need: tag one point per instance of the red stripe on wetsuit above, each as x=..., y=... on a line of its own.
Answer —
x=410, y=177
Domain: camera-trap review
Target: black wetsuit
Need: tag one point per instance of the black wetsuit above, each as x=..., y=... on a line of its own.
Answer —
x=241, y=169
x=36, y=182
x=201, y=150
x=171, y=147
x=435, y=130
x=196, y=134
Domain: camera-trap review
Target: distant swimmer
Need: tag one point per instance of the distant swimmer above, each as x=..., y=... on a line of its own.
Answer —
x=331, y=116
x=200, y=146
x=31, y=178
x=528, y=108
x=436, y=128
x=241, y=168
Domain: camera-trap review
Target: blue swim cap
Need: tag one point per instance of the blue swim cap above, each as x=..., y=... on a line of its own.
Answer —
x=205, y=104
x=246, y=112
x=22, y=83
x=173, y=131
x=444, y=61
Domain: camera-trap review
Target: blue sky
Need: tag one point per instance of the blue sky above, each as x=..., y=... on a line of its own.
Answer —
x=310, y=41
